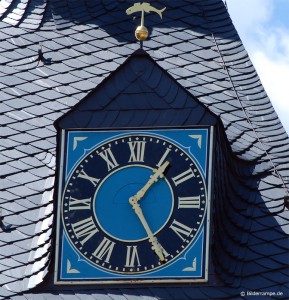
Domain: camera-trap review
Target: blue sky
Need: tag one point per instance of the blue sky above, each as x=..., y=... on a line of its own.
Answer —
x=263, y=26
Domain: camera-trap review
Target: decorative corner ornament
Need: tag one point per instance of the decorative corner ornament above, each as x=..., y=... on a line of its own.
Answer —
x=193, y=268
x=76, y=140
x=141, y=32
x=69, y=270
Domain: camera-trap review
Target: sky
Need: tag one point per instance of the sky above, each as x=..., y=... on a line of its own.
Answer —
x=263, y=26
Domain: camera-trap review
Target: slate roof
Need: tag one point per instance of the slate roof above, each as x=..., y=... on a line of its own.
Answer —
x=54, y=53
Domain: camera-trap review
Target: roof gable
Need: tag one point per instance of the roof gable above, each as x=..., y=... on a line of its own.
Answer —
x=138, y=94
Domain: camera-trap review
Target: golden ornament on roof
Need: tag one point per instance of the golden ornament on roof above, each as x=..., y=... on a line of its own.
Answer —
x=141, y=32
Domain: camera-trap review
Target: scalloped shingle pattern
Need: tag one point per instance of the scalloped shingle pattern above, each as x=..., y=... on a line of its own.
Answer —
x=54, y=53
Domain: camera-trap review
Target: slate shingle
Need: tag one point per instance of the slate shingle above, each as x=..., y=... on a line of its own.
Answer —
x=91, y=41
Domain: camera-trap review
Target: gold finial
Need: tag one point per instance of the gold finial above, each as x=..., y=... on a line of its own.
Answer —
x=141, y=32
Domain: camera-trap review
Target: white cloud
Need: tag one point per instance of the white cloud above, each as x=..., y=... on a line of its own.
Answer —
x=249, y=14
x=274, y=75
x=268, y=47
x=271, y=60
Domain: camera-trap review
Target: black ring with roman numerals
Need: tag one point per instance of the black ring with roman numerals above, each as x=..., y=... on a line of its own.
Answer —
x=143, y=152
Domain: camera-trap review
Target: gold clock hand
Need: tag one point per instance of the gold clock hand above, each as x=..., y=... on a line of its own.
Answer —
x=156, y=246
x=158, y=173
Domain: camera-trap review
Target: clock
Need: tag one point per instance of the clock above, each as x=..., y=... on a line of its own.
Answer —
x=133, y=205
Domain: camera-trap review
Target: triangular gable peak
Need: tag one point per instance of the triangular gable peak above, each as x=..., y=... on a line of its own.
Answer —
x=138, y=94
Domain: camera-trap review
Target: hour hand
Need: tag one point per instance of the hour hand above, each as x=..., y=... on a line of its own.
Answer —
x=158, y=173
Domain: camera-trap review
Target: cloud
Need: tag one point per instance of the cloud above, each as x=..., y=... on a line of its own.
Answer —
x=268, y=45
x=270, y=56
x=274, y=75
x=248, y=14
x=271, y=60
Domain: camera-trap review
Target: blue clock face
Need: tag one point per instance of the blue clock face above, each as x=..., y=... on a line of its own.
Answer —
x=134, y=203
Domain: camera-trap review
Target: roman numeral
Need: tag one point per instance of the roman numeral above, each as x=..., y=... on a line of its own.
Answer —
x=162, y=160
x=104, y=249
x=84, y=229
x=93, y=180
x=108, y=156
x=132, y=258
x=137, y=151
x=182, y=230
x=183, y=177
x=189, y=202
x=76, y=204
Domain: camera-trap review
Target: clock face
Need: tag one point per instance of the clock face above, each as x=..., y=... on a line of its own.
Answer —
x=134, y=203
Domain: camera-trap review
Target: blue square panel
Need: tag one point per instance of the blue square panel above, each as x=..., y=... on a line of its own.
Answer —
x=134, y=205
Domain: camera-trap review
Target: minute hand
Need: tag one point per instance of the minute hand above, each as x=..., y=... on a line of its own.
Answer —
x=152, y=239
x=153, y=178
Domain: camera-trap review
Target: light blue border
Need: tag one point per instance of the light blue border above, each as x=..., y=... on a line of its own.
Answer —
x=198, y=244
